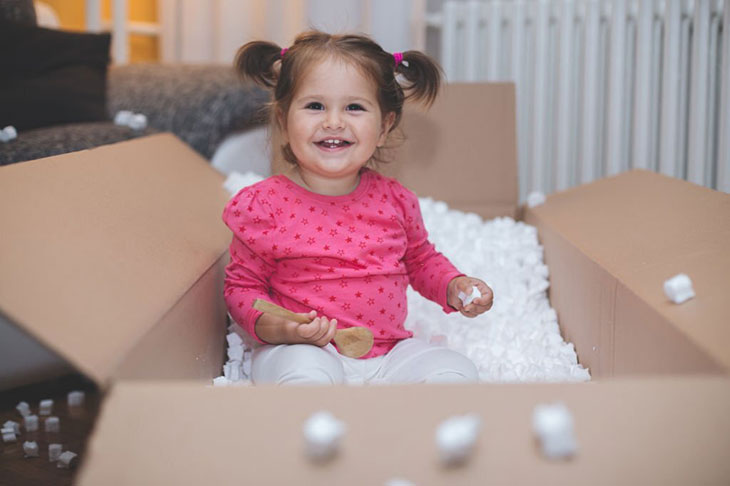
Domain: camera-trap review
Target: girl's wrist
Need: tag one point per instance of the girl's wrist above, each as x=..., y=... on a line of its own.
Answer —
x=268, y=329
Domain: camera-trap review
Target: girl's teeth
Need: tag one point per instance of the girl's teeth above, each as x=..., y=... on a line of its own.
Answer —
x=333, y=143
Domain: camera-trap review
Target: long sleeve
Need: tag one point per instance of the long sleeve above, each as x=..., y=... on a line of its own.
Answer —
x=429, y=271
x=251, y=265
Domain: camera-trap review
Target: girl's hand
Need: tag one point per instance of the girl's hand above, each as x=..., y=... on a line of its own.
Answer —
x=318, y=332
x=464, y=284
x=276, y=330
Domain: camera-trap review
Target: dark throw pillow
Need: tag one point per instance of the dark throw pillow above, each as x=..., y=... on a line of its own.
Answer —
x=21, y=11
x=49, y=77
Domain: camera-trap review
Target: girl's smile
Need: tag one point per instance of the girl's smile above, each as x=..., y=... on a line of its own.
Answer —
x=334, y=125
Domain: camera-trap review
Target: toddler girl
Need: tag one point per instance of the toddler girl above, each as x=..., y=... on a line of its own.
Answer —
x=330, y=238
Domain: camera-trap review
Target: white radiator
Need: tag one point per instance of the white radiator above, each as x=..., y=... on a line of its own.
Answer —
x=602, y=86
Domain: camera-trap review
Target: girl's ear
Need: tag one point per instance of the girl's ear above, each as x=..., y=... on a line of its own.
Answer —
x=387, y=124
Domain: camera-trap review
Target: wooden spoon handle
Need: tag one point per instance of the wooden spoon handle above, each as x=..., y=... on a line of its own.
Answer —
x=271, y=308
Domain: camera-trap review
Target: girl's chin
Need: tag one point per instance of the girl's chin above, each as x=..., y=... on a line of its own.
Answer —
x=335, y=172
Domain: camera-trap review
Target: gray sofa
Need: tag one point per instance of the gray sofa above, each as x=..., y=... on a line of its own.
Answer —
x=199, y=104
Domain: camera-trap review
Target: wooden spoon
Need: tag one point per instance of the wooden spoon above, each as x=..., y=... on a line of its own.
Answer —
x=353, y=342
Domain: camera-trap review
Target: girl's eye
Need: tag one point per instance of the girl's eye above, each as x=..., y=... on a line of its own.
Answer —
x=355, y=107
x=315, y=105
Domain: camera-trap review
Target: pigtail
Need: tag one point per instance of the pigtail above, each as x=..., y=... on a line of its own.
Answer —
x=423, y=75
x=255, y=61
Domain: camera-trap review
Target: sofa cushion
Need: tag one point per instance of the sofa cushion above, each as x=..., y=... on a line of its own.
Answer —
x=48, y=76
x=21, y=11
x=201, y=104
x=44, y=142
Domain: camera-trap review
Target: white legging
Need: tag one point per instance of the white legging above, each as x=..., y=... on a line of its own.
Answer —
x=410, y=361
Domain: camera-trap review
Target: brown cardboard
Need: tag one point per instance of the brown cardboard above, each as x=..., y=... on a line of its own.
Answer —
x=611, y=244
x=462, y=150
x=113, y=258
x=650, y=431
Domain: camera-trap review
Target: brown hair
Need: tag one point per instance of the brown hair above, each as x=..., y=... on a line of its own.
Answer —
x=257, y=61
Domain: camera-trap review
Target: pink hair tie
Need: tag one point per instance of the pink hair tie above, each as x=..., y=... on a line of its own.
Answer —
x=398, y=56
x=283, y=51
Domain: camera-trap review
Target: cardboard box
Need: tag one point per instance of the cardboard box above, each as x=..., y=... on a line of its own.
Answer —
x=611, y=244
x=112, y=259
x=606, y=288
x=630, y=432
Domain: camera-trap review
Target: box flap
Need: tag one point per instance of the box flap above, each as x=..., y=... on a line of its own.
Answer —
x=643, y=228
x=462, y=150
x=654, y=431
x=98, y=245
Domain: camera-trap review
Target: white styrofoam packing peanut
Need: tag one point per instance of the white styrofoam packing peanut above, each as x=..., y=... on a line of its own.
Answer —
x=123, y=117
x=467, y=299
x=535, y=198
x=235, y=353
x=553, y=425
x=75, y=398
x=679, y=288
x=519, y=339
x=138, y=122
x=399, y=482
x=64, y=460
x=126, y=118
x=46, y=407
x=234, y=339
x=52, y=424
x=30, y=448
x=30, y=423
x=23, y=408
x=9, y=436
x=221, y=381
x=8, y=133
x=12, y=424
x=232, y=370
x=456, y=438
x=322, y=435
x=54, y=451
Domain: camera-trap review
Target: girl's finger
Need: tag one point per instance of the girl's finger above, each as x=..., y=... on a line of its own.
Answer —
x=308, y=330
x=323, y=327
x=329, y=335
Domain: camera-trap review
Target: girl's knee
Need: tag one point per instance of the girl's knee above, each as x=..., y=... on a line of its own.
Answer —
x=418, y=362
x=456, y=368
x=297, y=364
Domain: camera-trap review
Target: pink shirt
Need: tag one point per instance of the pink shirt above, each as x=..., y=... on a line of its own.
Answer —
x=348, y=257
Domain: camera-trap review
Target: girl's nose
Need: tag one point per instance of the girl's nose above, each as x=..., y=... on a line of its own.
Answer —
x=333, y=121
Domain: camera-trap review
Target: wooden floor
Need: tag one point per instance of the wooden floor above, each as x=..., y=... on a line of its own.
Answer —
x=76, y=424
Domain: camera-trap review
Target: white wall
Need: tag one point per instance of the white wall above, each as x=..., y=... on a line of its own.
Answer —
x=212, y=31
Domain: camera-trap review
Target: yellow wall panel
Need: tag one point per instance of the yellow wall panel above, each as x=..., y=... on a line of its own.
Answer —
x=143, y=48
x=71, y=13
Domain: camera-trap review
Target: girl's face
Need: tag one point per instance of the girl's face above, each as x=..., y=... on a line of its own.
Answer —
x=334, y=123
